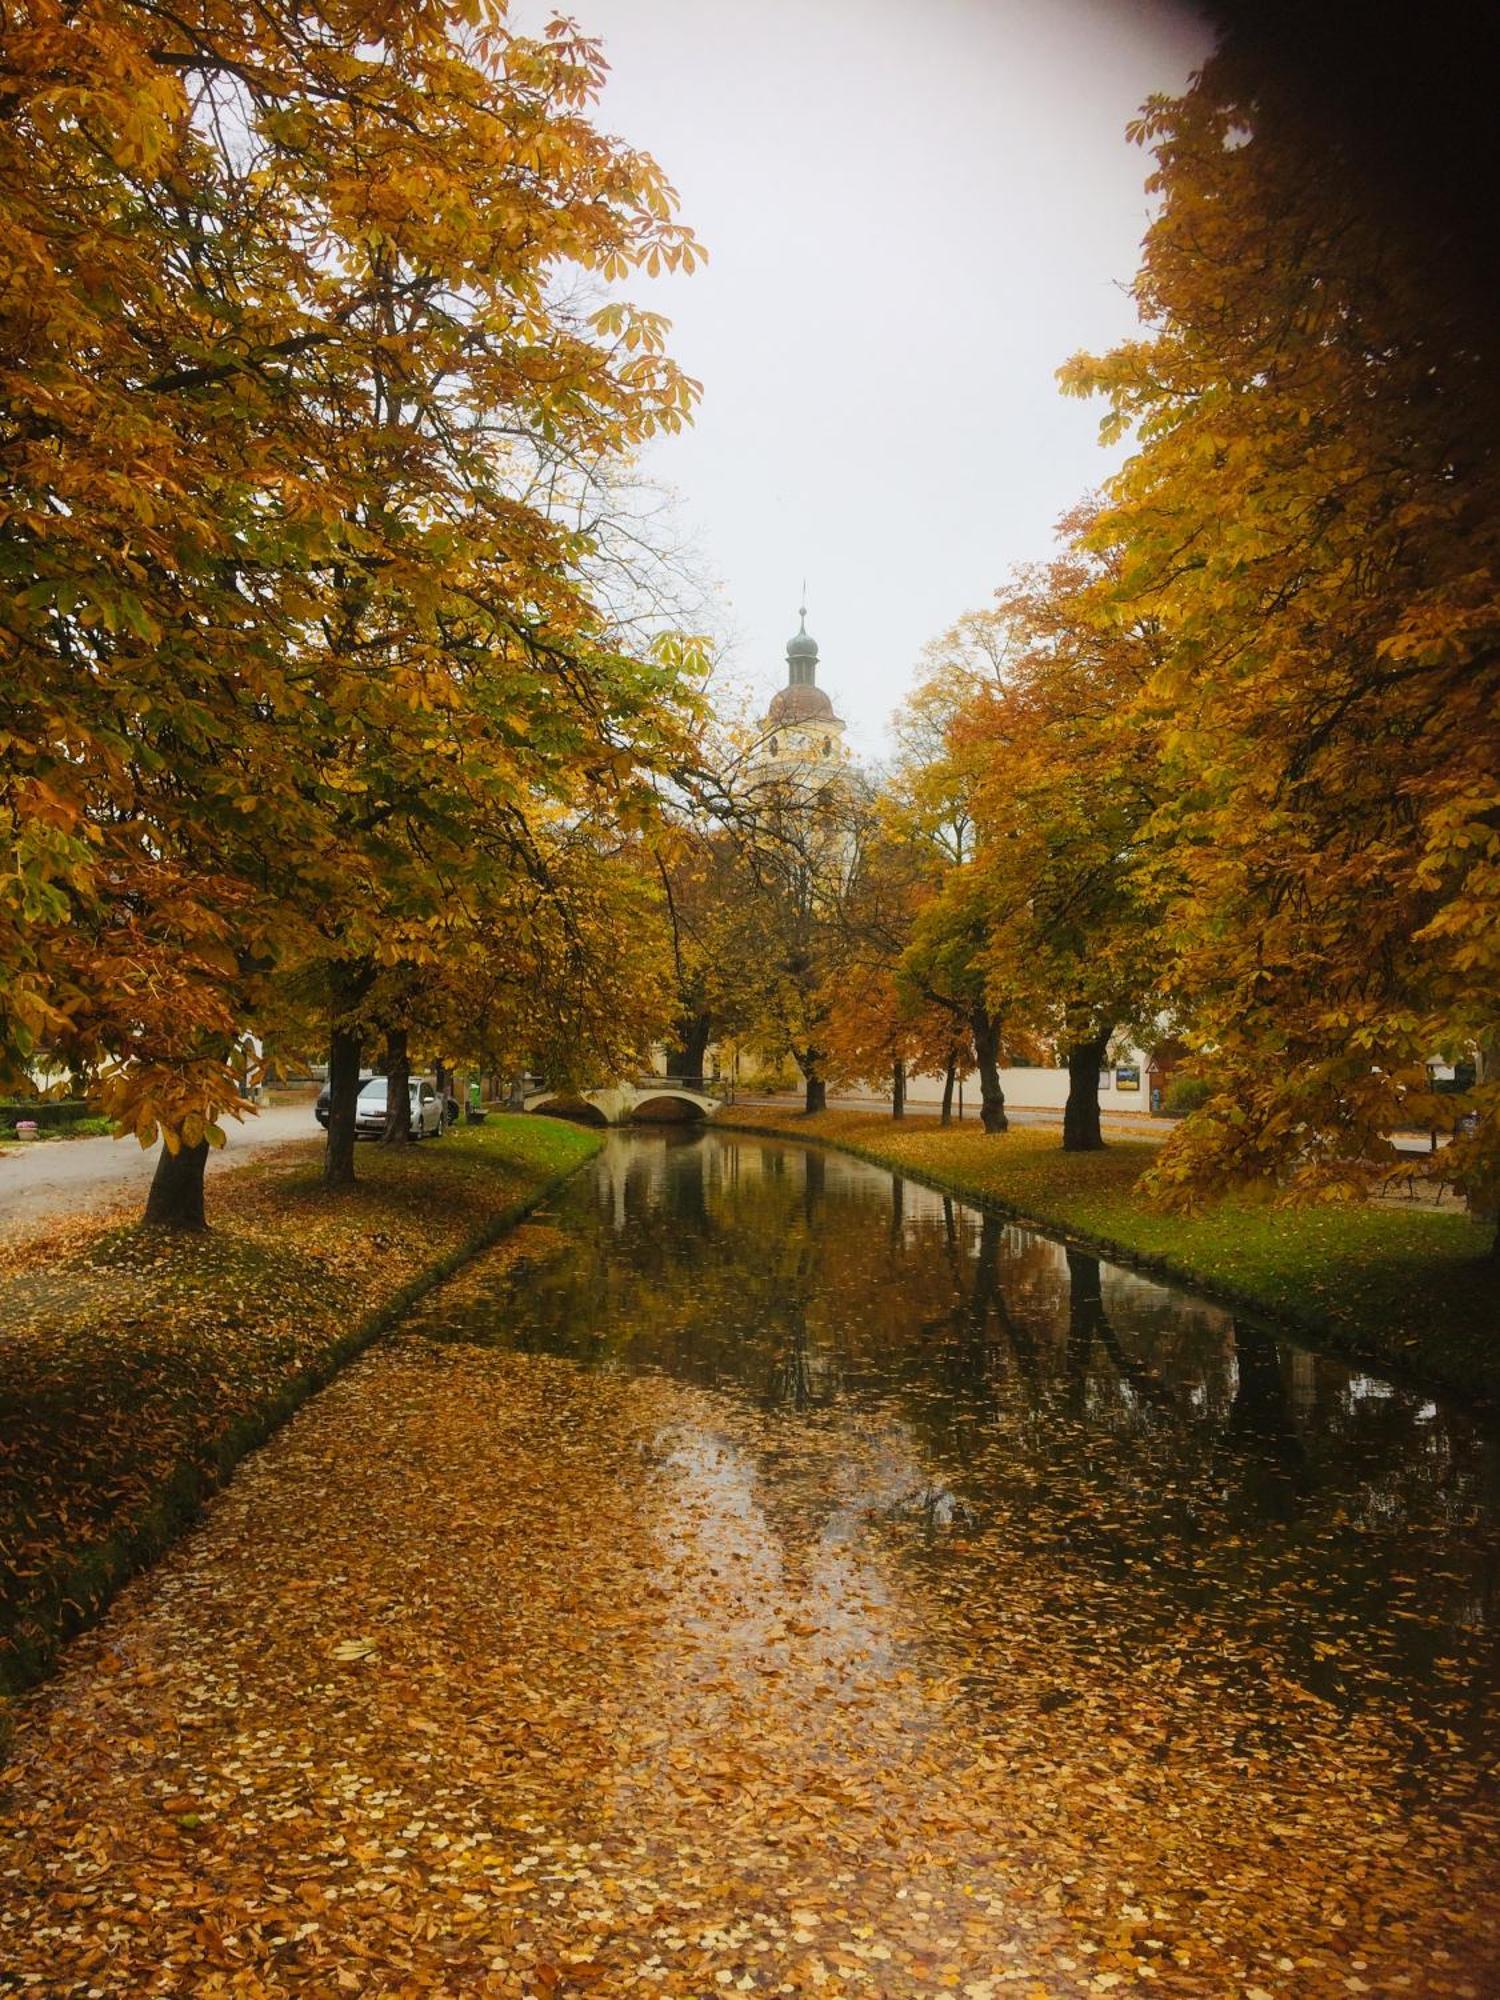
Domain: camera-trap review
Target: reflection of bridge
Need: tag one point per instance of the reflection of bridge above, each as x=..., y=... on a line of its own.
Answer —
x=654, y=1100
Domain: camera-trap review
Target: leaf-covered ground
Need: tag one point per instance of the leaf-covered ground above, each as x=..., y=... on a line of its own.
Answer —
x=1405, y=1286
x=136, y=1367
x=493, y=1675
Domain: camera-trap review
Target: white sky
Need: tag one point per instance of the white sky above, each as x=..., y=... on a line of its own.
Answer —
x=914, y=214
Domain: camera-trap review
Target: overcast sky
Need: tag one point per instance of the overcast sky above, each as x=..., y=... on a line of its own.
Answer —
x=914, y=214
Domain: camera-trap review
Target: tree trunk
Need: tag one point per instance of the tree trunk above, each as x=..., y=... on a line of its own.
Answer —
x=1089, y=1322
x=898, y=1088
x=176, y=1197
x=950, y=1077
x=695, y=1032
x=397, y=1089
x=1081, y=1133
x=343, y=1095
x=986, y=1034
x=815, y=1097
x=1260, y=1408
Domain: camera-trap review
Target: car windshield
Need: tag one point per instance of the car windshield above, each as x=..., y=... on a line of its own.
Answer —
x=374, y=1092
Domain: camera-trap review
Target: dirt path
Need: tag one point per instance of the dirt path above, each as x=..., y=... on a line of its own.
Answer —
x=494, y=1676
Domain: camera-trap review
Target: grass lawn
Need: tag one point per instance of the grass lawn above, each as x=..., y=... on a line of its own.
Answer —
x=136, y=1368
x=1403, y=1286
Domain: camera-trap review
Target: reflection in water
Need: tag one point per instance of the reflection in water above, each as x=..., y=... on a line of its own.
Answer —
x=1163, y=1474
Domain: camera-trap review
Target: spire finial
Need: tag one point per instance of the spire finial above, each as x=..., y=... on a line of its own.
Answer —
x=802, y=607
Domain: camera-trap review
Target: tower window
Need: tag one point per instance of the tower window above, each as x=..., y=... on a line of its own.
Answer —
x=775, y=745
x=827, y=746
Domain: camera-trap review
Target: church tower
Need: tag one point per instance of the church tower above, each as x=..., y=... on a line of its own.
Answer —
x=801, y=732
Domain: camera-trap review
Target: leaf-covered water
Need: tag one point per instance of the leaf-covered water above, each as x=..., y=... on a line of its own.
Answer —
x=1096, y=1496
x=1207, y=1482
x=759, y=1575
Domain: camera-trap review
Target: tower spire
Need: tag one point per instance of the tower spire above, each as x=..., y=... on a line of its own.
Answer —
x=802, y=651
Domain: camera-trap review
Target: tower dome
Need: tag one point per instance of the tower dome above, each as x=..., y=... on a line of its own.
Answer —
x=798, y=701
x=807, y=729
x=801, y=654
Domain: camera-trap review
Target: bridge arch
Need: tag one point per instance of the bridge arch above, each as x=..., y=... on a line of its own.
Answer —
x=578, y=1110
x=668, y=1107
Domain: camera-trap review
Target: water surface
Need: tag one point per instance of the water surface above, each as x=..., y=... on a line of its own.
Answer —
x=762, y=1575
x=1184, y=1471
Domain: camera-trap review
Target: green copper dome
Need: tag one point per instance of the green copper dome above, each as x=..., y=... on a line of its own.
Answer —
x=801, y=654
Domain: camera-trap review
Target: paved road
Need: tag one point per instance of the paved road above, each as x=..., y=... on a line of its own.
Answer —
x=71, y=1176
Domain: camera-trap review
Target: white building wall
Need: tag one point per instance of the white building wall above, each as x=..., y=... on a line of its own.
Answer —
x=1037, y=1089
x=1043, y=1089
x=1026, y=1089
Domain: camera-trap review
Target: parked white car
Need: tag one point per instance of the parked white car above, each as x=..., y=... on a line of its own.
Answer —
x=427, y=1110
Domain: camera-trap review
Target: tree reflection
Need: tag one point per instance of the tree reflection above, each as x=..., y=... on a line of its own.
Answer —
x=1260, y=1427
x=1089, y=1323
x=801, y=1377
x=972, y=1372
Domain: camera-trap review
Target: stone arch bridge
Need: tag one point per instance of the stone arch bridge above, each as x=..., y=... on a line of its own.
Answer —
x=652, y=1101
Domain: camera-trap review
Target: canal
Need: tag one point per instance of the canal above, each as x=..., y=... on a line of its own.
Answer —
x=1108, y=1617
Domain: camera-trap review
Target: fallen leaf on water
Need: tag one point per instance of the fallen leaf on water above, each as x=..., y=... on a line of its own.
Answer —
x=353, y=1649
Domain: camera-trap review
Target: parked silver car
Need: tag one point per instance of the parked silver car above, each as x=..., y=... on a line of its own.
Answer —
x=427, y=1110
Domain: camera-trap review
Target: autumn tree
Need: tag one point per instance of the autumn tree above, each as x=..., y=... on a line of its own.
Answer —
x=941, y=963
x=1310, y=516
x=571, y=978
x=879, y=1034
x=799, y=843
x=944, y=967
x=296, y=643
x=1065, y=786
x=707, y=891
x=881, y=1030
x=148, y=699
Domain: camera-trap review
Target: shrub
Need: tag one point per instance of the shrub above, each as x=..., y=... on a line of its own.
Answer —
x=47, y=1111
x=1185, y=1094
x=768, y=1076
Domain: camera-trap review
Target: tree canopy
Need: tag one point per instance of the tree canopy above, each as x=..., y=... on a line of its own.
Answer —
x=313, y=339
x=1310, y=520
